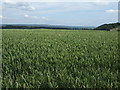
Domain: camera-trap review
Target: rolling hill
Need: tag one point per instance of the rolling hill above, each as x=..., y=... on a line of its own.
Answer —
x=109, y=27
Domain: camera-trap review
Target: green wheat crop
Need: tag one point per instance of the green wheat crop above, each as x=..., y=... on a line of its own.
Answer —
x=60, y=58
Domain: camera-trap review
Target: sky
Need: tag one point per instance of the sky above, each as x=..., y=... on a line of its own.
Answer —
x=60, y=13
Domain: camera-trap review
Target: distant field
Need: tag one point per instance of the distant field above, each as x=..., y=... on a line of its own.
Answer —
x=60, y=58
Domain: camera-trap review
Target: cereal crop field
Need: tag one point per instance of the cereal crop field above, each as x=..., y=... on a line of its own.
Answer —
x=41, y=58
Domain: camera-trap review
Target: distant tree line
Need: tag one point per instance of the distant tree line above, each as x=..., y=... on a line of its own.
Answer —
x=41, y=27
x=108, y=26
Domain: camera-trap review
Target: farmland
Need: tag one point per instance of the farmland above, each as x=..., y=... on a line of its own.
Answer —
x=60, y=58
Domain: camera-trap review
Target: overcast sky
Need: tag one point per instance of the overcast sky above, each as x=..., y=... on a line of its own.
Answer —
x=65, y=13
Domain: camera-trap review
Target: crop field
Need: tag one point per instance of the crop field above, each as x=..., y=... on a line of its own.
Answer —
x=60, y=59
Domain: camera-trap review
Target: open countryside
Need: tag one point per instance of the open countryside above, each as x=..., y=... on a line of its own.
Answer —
x=40, y=58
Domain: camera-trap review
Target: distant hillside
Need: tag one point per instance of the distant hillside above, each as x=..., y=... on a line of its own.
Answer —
x=42, y=26
x=108, y=26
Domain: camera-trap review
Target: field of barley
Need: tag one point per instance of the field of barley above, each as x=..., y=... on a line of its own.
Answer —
x=60, y=58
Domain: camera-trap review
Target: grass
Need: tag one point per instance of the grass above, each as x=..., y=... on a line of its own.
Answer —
x=60, y=58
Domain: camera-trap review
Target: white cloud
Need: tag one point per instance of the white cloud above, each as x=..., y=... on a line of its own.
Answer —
x=32, y=17
x=112, y=11
x=45, y=8
x=26, y=16
x=31, y=8
x=61, y=0
x=27, y=8
x=35, y=17
x=102, y=3
x=18, y=5
x=2, y=17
